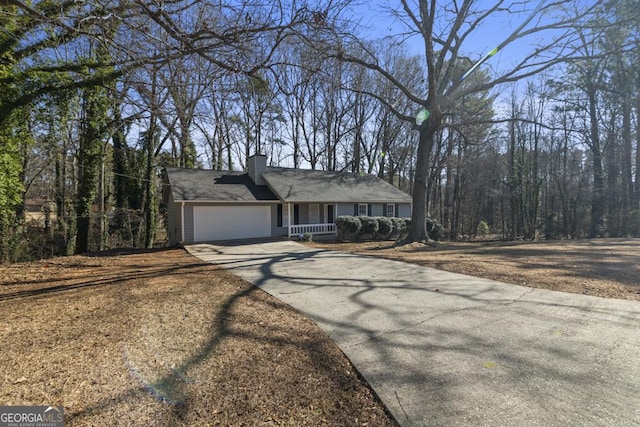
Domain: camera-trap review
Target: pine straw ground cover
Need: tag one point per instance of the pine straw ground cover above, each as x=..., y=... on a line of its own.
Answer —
x=607, y=268
x=161, y=339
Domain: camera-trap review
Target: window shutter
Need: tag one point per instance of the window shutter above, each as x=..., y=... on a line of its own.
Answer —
x=396, y=212
x=279, y=214
x=384, y=209
x=369, y=209
x=355, y=209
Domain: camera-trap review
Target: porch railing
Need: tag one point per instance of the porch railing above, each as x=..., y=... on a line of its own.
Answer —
x=296, y=230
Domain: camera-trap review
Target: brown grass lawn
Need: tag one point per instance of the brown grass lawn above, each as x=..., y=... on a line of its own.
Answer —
x=160, y=339
x=602, y=267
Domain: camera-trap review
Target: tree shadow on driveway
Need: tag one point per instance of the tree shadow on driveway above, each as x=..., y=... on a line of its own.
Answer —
x=446, y=349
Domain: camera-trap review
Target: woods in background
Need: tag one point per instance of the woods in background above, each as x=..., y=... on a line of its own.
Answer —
x=96, y=98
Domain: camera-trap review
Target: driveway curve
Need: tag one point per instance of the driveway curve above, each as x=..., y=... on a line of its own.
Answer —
x=445, y=349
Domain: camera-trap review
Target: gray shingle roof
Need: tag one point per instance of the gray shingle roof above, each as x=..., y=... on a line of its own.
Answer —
x=299, y=185
x=208, y=185
x=289, y=185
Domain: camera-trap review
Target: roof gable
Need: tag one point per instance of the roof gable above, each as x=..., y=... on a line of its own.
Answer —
x=208, y=185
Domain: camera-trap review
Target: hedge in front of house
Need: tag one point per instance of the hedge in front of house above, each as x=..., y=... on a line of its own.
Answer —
x=400, y=226
x=347, y=225
x=375, y=228
x=385, y=227
x=370, y=226
x=381, y=227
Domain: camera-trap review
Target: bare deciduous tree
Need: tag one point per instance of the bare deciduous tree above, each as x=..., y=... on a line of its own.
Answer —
x=446, y=29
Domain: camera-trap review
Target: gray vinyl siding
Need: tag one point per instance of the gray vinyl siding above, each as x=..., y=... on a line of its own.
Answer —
x=188, y=223
x=344, y=209
x=376, y=209
x=404, y=210
x=275, y=230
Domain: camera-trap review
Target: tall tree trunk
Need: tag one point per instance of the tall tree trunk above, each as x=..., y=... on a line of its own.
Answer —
x=456, y=202
x=627, y=169
x=533, y=198
x=60, y=154
x=447, y=213
x=636, y=192
x=597, y=198
x=612, y=192
x=90, y=160
x=513, y=186
x=150, y=206
x=418, y=229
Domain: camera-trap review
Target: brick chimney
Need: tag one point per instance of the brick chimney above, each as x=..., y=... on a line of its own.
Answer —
x=257, y=165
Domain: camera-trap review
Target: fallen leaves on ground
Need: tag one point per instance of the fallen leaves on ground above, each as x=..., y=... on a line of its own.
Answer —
x=160, y=338
x=607, y=268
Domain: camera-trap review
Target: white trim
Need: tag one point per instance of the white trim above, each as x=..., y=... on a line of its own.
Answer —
x=345, y=201
x=328, y=228
x=182, y=222
x=393, y=209
x=232, y=202
x=326, y=211
x=276, y=201
x=366, y=209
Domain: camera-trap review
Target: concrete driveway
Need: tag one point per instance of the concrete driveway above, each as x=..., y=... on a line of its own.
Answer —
x=444, y=349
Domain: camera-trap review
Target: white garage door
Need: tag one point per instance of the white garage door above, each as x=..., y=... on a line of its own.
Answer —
x=230, y=222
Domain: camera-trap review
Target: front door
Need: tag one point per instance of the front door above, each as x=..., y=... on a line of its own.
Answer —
x=330, y=214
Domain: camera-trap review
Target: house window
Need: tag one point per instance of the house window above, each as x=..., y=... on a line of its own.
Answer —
x=362, y=209
x=391, y=210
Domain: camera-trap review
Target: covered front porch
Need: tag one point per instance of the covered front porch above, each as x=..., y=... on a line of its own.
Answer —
x=300, y=218
x=294, y=219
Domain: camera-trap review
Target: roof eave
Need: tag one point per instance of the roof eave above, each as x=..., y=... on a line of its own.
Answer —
x=223, y=201
x=346, y=201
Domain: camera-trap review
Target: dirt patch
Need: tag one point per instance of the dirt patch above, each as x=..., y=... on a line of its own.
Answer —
x=160, y=338
x=607, y=268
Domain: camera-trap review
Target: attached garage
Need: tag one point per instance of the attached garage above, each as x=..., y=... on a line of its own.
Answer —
x=231, y=222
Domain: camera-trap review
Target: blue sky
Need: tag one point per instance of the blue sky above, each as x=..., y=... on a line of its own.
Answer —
x=486, y=37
